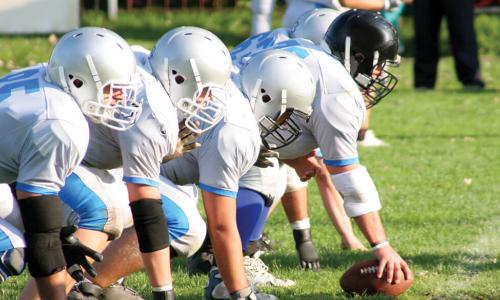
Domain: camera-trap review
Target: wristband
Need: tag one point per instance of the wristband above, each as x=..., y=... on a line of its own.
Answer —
x=378, y=245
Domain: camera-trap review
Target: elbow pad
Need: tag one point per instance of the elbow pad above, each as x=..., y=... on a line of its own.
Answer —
x=358, y=191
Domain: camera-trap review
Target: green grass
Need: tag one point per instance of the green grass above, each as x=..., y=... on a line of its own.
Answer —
x=446, y=229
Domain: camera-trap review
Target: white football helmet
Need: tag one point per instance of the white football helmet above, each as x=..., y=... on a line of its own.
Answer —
x=190, y=61
x=313, y=24
x=279, y=85
x=97, y=67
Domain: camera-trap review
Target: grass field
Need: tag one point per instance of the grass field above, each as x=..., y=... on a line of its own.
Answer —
x=439, y=181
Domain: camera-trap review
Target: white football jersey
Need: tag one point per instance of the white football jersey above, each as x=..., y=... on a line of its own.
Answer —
x=141, y=148
x=338, y=108
x=43, y=132
x=227, y=150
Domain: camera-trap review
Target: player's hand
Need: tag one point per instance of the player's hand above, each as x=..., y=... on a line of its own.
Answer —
x=77, y=254
x=308, y=255
x=306, y=167
x=263, y=161
x=186, y=142
x=395, y=267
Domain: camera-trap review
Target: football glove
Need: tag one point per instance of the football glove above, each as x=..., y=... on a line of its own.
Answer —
x=263, y=161
x=185, y=142
x=308, y=256
x=76, y=254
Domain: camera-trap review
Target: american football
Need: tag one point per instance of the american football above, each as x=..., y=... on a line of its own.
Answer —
x=361, y=278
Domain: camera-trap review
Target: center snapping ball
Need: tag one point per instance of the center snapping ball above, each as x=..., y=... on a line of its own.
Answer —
x=361, y=278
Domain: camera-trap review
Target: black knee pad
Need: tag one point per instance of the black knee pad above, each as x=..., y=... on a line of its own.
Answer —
x=150, y=225
x=12, y=262
x=43, y=219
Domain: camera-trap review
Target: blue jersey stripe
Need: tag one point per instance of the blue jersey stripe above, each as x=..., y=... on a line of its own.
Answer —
x=218, y=191
x=341, y=162
x=85, y=202
x=140, y=180
x=34, y=189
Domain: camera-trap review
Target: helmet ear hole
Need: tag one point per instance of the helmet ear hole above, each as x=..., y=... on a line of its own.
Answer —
x=77, y=83
x=266, y=98
x=179, y=79
x=359, y=57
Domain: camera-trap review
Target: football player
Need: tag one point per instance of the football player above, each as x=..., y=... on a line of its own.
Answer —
x=195, y=66
x=311, y=26
x=45, y=136
x=278, y=85
x=361, y=43
x=92, y=190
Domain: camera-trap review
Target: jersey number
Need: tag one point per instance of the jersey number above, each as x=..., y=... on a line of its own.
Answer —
x=23, y=79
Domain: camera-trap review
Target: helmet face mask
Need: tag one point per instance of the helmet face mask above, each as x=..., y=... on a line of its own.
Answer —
x=98, y=68
x=194, y=67
x=282, y=131
x=205, y=109
x=367, y=44
x=118, y=105
x=373, y=79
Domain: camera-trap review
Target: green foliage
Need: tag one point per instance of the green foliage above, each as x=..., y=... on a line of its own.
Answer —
x=439, y=180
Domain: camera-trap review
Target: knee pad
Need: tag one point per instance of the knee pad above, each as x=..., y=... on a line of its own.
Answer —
x=150, y=225
x=12, y=263
x=43, y=219
x=358, y=191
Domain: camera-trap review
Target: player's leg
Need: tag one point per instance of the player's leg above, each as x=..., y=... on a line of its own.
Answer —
x=223, y=230
x=295, y=204
x=366, y=136
x=43, y=218
x=97, y=199
x=251, y=214
x=262, y=12
x=186, y=232
x=427, y=17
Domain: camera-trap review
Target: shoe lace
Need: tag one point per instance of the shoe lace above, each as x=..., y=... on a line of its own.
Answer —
x=254, y=267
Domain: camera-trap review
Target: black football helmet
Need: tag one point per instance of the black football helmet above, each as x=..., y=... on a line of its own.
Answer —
x=366, y=43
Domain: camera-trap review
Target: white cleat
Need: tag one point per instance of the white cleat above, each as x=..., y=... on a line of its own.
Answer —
x=258, y=274
x=371, y=140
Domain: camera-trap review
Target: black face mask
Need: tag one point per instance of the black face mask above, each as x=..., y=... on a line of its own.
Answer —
x=374, y=89
x=281, y=132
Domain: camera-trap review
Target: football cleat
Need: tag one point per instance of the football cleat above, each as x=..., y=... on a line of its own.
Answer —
x=258, y=274
x=119, y=291
x=216, y=289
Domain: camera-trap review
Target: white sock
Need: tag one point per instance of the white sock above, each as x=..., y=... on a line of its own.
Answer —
x=301, y=224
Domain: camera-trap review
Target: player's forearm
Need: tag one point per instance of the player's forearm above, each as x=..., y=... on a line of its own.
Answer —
x=371, y=226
